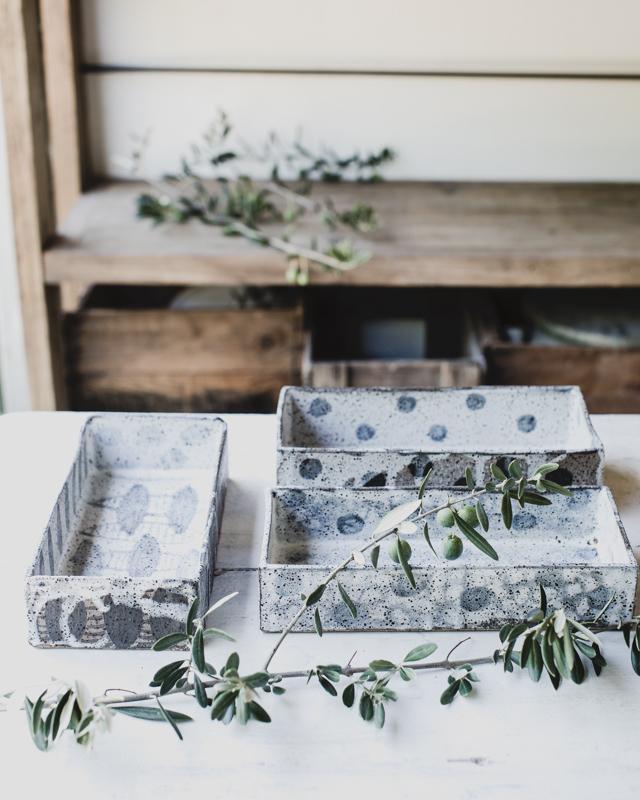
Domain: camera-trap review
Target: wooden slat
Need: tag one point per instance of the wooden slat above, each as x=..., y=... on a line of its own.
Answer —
x=25, y=119
x=59, y=34
x=442, y=128
x=609, y=377
x=182, y=360
x=431, y=235
x=426, y=373
x=61, y=84
x=220, y=342
x=494, y=35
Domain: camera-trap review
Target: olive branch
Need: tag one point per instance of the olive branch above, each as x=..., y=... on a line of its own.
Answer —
x=547, y=641
x=241, y=207
x=405, y=519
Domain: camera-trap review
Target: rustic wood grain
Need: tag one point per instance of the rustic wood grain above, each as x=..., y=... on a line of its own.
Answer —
x=58, y=23
x=26, y=128
x=182, y=360
x=492, y=235
x=57, y=27
x=609, y=377
x=418, y=373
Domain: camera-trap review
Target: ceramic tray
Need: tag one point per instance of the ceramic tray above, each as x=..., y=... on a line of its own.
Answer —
x=387, y=437
x=575, y=547
x=132, y=537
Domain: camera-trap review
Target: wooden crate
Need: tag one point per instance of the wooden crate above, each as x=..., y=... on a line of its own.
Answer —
x=609, y=377
x=329, y=360
x=174, y=360
x=412, y=373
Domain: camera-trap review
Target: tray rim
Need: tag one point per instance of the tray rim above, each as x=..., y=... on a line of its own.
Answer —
x=630, y=562
x=85, y=580
x=595, y=446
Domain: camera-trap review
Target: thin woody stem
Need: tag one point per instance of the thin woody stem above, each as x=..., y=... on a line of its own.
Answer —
x=293, y=250
x=347, y=671
x=455, y=647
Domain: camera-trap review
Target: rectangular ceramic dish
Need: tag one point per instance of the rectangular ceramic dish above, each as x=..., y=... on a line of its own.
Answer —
x=132, y=537
x=388, y=437
x=575, y=547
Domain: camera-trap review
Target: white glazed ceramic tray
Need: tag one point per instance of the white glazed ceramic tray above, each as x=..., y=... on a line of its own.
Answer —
x=575, y=547
x=132, y=537
x=389, y=437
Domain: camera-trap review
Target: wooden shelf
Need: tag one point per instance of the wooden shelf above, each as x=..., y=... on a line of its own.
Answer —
x=493, y=235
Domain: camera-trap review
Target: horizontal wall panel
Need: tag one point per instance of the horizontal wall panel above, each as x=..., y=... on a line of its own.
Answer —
x=571, y=36
x=442, y=128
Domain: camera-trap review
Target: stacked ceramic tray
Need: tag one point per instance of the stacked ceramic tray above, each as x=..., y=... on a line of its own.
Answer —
x=346, y=457
x=132, y=537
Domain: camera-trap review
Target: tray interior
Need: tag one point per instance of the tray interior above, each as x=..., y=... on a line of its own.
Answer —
x=138, y=499
x=483, y=419
x=322, y=526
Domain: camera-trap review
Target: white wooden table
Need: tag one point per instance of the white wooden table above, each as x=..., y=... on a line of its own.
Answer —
x=512, y=739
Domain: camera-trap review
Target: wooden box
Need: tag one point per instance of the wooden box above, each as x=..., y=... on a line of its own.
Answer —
x=589, y=338
x=182, y=360
x=334, y=355
x=609, y=377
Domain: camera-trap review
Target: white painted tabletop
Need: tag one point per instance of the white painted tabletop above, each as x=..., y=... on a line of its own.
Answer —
x=513, y=738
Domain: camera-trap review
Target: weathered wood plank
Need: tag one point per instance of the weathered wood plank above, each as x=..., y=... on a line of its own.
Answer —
x=182, y=360
x=426, y=373
x=431, y=234
x=58, y=26
x=63, y=114
x=609, y=377
x=25, y=119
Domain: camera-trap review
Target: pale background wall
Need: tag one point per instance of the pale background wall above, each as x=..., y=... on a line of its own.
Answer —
x=497, y=90
x=462, y=89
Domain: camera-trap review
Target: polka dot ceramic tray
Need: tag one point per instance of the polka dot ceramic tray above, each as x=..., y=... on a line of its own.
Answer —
x=388, y=437
x=575, y=547
x=132, y=537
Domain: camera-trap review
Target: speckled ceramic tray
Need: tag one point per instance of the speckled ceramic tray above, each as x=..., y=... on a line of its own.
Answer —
x=387, y=437
x=576, y=547
x=132, y=537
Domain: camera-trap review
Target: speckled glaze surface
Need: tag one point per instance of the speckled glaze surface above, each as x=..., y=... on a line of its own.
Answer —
x=132, y=537
x=576, y=547
x=387, y=437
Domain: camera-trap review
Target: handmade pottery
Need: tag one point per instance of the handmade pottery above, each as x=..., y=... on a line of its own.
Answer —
x=132, y=536
x=389, y=437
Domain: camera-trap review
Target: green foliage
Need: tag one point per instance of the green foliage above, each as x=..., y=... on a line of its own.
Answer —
x=372, y=687
x=460, y=682
x=553, y=643
x=631, y=633
x=239, y=206
x=549, y=642
x=236, y=696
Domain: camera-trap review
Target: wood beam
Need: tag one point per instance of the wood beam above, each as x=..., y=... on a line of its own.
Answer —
x=26, y=132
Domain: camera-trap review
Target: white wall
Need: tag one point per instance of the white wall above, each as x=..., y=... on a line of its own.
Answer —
x=13, y=372
x=534, y=90
x=547, y=36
